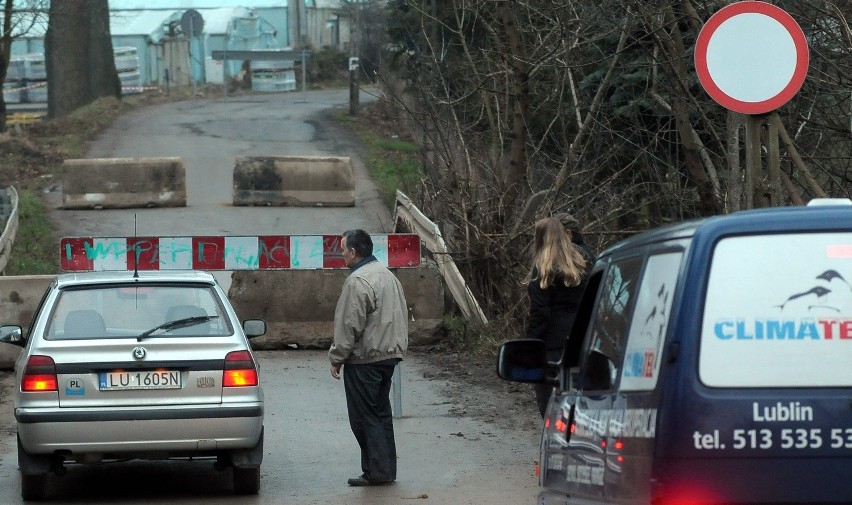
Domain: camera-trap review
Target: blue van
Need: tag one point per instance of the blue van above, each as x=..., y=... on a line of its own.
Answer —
x=710, y=363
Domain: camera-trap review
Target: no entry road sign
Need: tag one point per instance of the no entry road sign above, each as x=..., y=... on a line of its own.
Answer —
x=751, y=57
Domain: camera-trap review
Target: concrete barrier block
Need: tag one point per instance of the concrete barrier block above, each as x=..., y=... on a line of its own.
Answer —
x=19, y=298
x=123, y=183
x=294, y=181
x=298, y=305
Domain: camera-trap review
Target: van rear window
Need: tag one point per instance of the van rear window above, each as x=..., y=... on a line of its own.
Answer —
x=778, y=312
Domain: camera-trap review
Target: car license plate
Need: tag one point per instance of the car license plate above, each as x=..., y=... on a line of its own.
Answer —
x=149, y=379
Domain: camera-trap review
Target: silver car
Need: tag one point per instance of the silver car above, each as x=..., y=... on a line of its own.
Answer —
x=164, y=350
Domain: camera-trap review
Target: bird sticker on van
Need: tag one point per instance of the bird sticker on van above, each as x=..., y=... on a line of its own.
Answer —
x=650, y=322
x=818, y=297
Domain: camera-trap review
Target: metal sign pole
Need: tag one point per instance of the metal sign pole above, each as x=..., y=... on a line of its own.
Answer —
x=225, y=68
x=191, y=58
x=396, y=386
x=304, y=69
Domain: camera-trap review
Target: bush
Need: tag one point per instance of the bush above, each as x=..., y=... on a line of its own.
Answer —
x=328, y=64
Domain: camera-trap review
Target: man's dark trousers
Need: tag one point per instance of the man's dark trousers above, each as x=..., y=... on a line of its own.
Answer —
x=371, y=418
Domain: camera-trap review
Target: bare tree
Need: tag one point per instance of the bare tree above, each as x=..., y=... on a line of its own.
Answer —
x=79, y=55
x=531, y=107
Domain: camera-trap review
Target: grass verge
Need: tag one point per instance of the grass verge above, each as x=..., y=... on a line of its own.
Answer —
x=393, y=162
x=33, y=252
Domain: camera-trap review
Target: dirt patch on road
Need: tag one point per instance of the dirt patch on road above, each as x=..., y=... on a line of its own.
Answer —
x=7, y=383
x=476, y=391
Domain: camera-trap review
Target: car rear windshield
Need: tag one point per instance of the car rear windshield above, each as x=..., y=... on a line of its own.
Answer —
x=778, y=312
x=129, y=311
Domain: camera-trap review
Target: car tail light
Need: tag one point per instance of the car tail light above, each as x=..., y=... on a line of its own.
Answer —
x=39, y=374
x=239, y=370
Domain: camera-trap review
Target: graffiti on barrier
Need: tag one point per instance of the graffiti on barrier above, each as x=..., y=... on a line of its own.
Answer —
x=266, y=252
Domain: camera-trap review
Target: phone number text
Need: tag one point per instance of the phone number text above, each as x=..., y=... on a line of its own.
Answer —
x=785, y=438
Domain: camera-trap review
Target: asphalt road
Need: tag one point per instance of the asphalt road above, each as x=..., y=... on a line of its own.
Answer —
x=451, y=450
x=309, y=451
x=208, y=134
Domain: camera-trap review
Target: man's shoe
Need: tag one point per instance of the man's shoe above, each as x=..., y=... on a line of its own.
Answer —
x=358, y=481
x=362, y=481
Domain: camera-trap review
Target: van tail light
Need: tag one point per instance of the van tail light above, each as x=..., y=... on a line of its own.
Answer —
x=240, y=370
x=680, y=501
x=682, y=494
x=39, y=374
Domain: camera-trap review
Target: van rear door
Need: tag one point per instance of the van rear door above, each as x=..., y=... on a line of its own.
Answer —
x=767, y=415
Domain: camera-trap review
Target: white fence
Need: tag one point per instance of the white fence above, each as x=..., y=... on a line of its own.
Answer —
x=10, y=216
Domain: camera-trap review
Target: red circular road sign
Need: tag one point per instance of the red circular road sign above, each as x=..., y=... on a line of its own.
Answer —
x=751, y=57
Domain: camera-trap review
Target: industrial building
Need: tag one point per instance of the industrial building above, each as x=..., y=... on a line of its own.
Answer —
x=152, y=46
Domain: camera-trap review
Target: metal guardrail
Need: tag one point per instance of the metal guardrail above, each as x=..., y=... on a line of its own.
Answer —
x=9, y=218
x=430, y=235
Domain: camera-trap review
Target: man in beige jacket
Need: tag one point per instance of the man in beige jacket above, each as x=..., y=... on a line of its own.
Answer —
x=370, y=339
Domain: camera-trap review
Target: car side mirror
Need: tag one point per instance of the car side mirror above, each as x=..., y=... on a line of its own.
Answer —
x=522, y=360
x=254, y=327
x=12, y=334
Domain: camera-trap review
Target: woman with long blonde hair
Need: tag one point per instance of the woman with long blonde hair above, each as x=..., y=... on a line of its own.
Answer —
x=555, y=256
x=556, y=283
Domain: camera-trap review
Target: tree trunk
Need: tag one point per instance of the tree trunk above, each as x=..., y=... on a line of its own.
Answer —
x=79, y=55
x=702, y=176
x=516, y=178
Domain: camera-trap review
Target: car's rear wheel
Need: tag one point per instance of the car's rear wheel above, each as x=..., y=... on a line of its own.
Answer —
x=34, y=469
x=33, y=487
x=246, y=480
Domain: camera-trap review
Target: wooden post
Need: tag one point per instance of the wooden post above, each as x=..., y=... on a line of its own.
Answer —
x=773, y=161
x=735, y=176
x=354, y=35
x=753, y=159
x=798, y=161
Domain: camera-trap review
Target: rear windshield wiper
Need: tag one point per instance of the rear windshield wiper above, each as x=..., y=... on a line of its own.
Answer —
x=173, y=325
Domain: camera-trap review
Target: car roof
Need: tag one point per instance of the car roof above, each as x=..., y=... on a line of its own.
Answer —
x=123, y=277
x=769, y=220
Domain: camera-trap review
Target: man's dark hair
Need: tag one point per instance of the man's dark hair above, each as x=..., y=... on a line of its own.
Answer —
x=360, y=241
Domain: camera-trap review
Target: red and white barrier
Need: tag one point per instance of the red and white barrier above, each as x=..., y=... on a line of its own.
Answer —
x=39, y=84
x=266, y=252
x=140, y=89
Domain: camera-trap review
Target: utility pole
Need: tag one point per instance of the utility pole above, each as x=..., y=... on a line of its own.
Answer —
x=354, y=64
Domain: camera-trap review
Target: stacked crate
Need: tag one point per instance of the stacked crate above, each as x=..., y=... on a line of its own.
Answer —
x=26, y=79
x=127, y=66
x=273, y=76
x=35, y=73
x=14, y=76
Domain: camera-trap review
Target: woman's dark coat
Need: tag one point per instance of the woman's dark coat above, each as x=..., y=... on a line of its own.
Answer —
x=552, y=311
